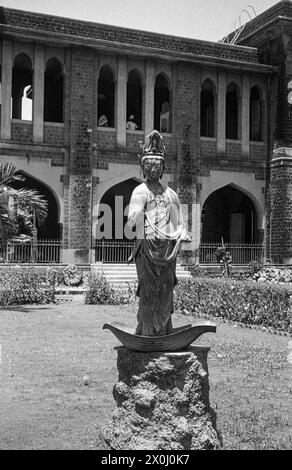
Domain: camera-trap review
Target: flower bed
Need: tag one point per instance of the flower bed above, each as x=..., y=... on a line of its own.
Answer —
x=250, y=303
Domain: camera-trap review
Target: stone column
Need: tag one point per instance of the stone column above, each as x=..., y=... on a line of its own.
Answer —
x=38, y=93
x=121, y=102
x=196, y=225
x=221, y=113
x=7, y=65
x=162, y=402
x=281, y=206
x=149, y=98
x=245, y=115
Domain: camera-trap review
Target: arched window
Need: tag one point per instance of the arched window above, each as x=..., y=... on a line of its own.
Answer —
x=207, y=109
x=54, y=92
x=255, y=116
x=134, y=98
x=232, y=112
x=162, y=108
x=106, y=98
x=22, y=94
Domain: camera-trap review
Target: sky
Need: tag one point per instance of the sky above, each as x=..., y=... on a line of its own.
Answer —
x=199, y=19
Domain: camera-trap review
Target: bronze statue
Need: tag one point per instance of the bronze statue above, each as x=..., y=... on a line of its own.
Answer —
x=155, y=210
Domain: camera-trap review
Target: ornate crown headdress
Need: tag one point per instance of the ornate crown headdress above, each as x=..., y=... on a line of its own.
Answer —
x=155, y=149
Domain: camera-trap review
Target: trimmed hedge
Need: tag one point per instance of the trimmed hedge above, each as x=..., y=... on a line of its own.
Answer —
x=19, y=286
x=245, y=302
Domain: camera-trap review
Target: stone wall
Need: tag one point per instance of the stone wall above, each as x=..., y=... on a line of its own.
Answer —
x=21, y=131
x=54, y=134
x=76, y=28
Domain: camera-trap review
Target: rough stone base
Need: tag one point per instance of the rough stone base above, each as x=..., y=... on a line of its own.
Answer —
x=162, y=402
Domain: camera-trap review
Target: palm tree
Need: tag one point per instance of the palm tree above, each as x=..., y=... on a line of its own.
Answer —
x=18, y=207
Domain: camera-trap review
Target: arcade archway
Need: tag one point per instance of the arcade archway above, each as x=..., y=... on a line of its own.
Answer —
x=111, y=243
x=231, y=214
x=50, y=228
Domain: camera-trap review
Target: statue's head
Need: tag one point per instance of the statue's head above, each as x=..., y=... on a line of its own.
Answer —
x=152, y=162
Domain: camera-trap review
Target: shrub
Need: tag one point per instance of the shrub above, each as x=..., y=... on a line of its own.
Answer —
x=100, y=291
x=246, y=302
x=195, y=270
x=21, y=286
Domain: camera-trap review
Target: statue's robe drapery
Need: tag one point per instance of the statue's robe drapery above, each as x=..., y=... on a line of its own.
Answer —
x=159, y=226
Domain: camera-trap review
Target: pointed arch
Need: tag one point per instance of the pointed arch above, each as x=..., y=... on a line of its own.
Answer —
x=232, y=212
x=255, y=114
x=232, y=111
x=208, y=108
x=106, y=97
x=110, y=213
x=162, y=103
x=134, y=97
x=22, y=83
x=54, y=91
x=51, y=228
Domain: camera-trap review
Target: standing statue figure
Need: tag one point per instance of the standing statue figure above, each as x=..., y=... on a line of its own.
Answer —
x=156, y=212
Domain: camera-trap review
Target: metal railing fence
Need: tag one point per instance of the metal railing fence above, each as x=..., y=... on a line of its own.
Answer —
x=43, y=251
x=113, y=251
x=241, y=253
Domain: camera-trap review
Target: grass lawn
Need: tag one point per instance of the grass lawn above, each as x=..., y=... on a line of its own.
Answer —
x=47, y=351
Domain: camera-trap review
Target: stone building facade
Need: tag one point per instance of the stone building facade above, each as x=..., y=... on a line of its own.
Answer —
x=221, y=109
x=271, y=34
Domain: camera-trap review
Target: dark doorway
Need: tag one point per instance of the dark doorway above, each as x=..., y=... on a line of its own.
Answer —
x=118, y=198
x=230, y=214
x=111, y=243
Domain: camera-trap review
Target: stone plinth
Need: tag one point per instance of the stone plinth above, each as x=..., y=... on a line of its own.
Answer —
x=162, y=402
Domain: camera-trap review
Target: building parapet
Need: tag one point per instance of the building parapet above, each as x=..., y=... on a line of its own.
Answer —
x=19, y=23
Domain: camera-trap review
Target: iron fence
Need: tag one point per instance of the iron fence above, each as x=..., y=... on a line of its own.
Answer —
x=113, y=251
x=43, y=251
x=241, y=253
x=116, y=251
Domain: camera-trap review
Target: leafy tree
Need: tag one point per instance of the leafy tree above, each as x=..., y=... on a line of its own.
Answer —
x=18, y=207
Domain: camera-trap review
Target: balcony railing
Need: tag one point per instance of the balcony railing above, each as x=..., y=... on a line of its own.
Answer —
x=241, y=253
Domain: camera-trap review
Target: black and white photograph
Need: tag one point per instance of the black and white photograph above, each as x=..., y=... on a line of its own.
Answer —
x=145, y=228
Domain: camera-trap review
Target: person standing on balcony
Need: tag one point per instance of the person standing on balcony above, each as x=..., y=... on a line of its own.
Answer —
x=103, y=121
x=131, y=125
